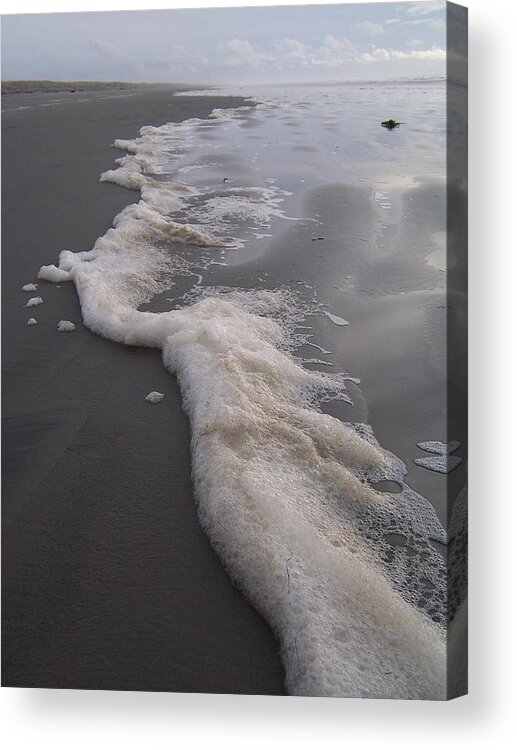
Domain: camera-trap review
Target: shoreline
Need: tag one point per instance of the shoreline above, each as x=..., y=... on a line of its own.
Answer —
x=110, y=586
x=50, y=87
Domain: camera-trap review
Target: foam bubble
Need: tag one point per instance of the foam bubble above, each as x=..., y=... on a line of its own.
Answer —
x=32, y=322
x=29, y=288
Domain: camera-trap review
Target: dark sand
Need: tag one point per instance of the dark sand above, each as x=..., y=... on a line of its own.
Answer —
x=108, y=581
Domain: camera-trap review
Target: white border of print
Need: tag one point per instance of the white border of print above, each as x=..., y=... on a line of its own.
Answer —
x=80, y=719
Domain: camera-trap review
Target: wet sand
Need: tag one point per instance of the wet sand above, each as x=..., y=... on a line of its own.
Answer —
x=108, y=580
x=396, y=304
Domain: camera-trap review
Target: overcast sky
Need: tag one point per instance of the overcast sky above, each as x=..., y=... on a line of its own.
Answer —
x=229, y=45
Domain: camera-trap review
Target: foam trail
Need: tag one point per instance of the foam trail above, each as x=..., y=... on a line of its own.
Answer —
x=283, y=490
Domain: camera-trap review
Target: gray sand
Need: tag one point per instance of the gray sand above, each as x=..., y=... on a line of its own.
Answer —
x=108, y=580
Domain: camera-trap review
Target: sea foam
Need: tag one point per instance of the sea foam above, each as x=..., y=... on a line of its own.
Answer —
x=65, y=326
x=33, y=301
x=283, y=490
x=155, y=397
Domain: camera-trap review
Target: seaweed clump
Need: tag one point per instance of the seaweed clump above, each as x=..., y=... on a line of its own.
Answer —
x=390, y=124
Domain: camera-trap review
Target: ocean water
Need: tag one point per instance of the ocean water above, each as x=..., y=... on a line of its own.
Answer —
x=287, y=257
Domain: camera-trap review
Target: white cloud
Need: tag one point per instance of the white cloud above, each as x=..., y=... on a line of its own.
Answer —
x=293, y=48
x=244, y=52
x=380, y=54
x=240, y=47
x=332, y=53
x=419, y=15
x=436, y=24
x=425, y=8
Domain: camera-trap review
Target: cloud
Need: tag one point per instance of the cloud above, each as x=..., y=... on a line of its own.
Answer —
x=436, y=24
x=374, y=29
x=334, y=52
x=243, y=52
x=331, y=53
x=380, y=54
x=425, y=8
x=293, y=48
x=240, y=47
x=419, y=15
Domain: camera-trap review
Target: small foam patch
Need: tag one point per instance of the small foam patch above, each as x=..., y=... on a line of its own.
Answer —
x=29, y=288
x=441, y=461
x=65, y=326
x=441, y=449
x=32, y=322
x=441, y=464
x=34, y=301
x=155, y=397
x=53, y=274
x=336, y=319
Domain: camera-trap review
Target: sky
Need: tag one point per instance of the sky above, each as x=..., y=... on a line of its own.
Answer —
x=363, y=41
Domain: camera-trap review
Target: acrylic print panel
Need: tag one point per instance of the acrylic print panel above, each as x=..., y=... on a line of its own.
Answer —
x=234, y=329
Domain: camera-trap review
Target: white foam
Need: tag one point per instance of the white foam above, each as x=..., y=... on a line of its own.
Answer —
x=436, y=446
x=51, y=273
x=155, y=397
x=29, y=288
x=317, y=346
x=127, y=178
x=32, y=322
x=33, y=301
x=382, y=200
x=216, y=216
x=281, y=493
x=227, y=211
x=65, y=326
x=336, y=319
x=442, y=461
x=440, y=464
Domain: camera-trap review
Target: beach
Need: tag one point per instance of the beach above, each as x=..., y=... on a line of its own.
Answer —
x=281, y=277
x=109, y=582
